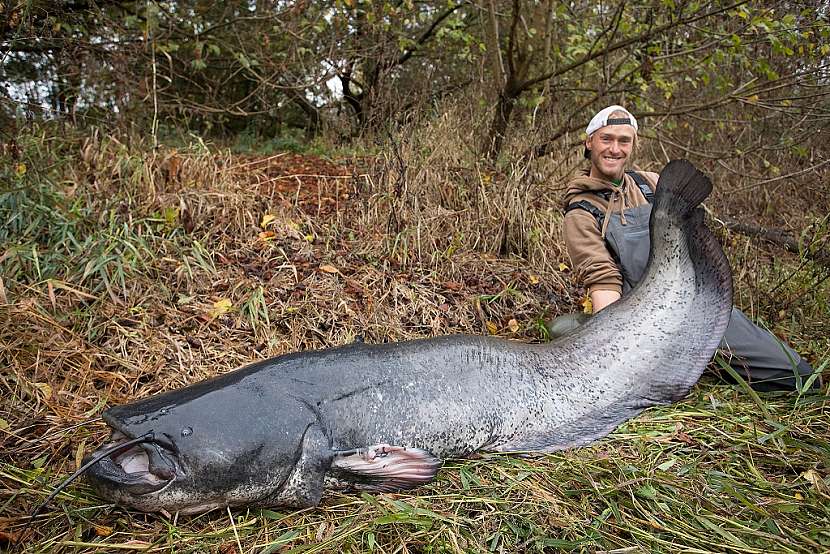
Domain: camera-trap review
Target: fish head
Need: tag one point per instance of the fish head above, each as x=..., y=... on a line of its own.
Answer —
x=206, y=446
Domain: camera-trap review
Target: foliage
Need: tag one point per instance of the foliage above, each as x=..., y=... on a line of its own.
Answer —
x=352, y=67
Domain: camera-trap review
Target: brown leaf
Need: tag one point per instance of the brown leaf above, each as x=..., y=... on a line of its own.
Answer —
x=684, y=438
x=51, y=291
x=103, y=530
x=329, y=268
x=9, y=537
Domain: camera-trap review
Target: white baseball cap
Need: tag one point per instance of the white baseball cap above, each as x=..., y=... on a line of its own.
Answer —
x=601, y=119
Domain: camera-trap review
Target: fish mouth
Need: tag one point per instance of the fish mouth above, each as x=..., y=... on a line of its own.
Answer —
x=141, y=468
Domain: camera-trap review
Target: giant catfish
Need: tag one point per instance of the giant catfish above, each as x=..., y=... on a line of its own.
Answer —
x=383, y=416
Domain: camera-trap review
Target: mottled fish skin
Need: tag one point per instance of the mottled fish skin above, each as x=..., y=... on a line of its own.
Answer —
x=267, y=433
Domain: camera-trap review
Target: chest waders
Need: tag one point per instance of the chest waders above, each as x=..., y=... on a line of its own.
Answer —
x=757, y=355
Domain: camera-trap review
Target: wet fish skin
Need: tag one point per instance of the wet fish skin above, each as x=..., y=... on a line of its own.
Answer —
x=278, y=431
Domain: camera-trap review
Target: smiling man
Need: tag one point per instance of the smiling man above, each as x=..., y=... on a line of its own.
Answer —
x=607, y=211
x=612, y=196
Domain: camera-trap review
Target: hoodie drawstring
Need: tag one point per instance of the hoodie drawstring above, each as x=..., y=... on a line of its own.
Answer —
x=617, y=197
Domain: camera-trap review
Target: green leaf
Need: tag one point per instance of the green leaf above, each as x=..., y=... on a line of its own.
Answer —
x=282, y=539
x=666, y=465
x=646, y=491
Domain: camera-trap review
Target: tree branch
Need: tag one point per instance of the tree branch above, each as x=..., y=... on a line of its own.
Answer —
x=625, y=42
x=427, y=34
x=778, y=237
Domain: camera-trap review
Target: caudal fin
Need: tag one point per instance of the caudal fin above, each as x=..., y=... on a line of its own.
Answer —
x=680, y=190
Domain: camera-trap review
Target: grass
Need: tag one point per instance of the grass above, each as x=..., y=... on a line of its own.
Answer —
x=700, y=476
x=127, y=271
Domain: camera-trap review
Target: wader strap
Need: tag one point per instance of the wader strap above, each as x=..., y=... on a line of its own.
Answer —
x=588, y=207
x=642, y=184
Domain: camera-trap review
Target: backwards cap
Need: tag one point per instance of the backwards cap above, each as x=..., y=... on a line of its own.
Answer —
x=601, y=119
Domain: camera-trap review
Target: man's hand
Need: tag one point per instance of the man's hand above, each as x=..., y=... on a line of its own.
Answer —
x=602, y=298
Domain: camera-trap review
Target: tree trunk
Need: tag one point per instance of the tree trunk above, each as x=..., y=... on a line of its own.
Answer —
x=498, y=128
x=315, y=121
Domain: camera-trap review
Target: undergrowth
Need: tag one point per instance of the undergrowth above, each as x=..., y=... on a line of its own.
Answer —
x=125, y=271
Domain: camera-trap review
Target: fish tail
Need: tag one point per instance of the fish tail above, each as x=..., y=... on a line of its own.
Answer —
x=680, y=190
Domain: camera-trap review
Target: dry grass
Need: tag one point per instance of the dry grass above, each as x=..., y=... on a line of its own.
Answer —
x=126, y=272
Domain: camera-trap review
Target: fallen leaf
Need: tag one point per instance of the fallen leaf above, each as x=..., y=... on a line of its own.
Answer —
x=329, y=268
x=221, y=307
x=452, y=285
x=813, y=477
x=563, y=266
x=513, y=325
x=534, y=279
x=103, y=530
x=684, y=438
x=587, y=305
x=51, y=290
x=79, y=455
x=267, y=235
x=491, y=328
x=173, y=163
x=266, y=219
x=21, y=169
x=45, y=389
x=9, y=537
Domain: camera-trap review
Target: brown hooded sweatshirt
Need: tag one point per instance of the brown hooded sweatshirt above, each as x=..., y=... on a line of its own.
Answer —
x=590, y=258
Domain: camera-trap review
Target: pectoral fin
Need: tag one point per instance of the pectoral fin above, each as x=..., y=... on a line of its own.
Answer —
x=383, y=467
x=304, y=486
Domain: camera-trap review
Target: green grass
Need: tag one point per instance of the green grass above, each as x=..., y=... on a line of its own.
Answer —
x=705, y=475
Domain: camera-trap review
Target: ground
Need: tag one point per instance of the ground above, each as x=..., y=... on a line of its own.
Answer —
x=153, y=270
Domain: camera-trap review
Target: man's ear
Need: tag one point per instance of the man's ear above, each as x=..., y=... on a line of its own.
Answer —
x=587, y=153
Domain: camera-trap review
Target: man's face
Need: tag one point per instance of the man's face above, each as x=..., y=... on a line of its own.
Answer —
x=610, y=147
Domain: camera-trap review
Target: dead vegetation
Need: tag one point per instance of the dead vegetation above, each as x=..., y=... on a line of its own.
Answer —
x=126, y=271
